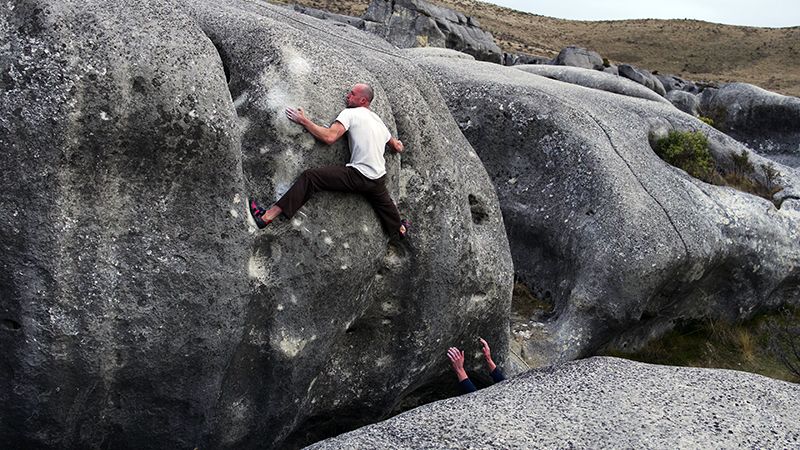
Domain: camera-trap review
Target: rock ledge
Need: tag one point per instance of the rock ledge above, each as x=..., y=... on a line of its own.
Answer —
x=600, y=402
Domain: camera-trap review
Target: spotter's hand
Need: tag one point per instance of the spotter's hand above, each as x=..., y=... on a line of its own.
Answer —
x=487, y=352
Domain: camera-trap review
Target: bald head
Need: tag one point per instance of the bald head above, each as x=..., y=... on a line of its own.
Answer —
x=360, y=95
x=366, y=91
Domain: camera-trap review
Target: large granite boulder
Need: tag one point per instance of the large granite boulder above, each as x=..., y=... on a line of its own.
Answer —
x=612, y=69
x=513, y=59
x=676, y=83
x=621, y=243
x=326, y=15
x=140, y=306
x=685, y=101
x=417, y=23
x=643, y=77
x=593, y=79
x=600, y=403
x=767, y=122
x=579, y=57
x=441, y=53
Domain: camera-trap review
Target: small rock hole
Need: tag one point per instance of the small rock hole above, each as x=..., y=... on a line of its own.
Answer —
x=477, y=209
x=140, y=85
x=11, y=325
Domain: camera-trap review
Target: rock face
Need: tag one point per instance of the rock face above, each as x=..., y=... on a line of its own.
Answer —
x=594, y=79
x=513, y=59
x=441, y=53
x=579, y=57
x=430, y=25
x=600, y=403
x=642, y=77
x=621, y=243
x=325, y=15
x=685, y=101
x=767, y=122
x=674, y=83
x=141, y=308
x=612, y=69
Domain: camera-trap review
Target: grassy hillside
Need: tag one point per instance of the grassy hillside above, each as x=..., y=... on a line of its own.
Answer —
x=700, y=51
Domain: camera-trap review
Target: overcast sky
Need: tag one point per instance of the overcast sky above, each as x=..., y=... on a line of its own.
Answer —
x=757, y=13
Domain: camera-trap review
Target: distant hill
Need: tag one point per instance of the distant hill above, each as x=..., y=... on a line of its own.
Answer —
x=700, y=51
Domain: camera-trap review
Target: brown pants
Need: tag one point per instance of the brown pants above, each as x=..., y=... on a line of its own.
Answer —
x=342, y=179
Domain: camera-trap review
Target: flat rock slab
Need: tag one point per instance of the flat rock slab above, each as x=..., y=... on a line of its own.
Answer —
x=593, y=79
x=600, y=403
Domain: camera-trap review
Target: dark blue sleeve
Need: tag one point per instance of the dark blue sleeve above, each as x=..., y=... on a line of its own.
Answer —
x=497, y=375
x=467, y=386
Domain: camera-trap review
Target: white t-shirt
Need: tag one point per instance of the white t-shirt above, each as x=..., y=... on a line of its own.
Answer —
x=368, y=136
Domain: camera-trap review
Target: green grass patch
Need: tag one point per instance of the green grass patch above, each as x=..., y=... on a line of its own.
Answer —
x=688, y=150
x=707, y=120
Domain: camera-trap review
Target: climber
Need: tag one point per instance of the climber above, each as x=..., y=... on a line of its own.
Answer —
x=364, y=174
x=457, y=361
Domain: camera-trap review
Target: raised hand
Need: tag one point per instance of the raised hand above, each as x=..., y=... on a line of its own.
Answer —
x=457, y=361
x=487, y=353
x=456, y=358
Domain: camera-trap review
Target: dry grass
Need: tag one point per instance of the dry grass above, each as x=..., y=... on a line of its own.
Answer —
x=746, y=343
x=717, y=344
x=700, y=51
x=526, y=307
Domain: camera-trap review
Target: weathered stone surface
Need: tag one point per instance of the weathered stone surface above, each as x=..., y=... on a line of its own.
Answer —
x=435, y=52
x=408, y=29
x=600, y=403
x=685, y=101
x=513, y=59
x=593, y=79
x=325, y=15
x=675, y=83
x=621, y=243
x=141, y=308
x=643, y=77
x=767, y=122
x=417, y=23
x=379, y=12
x=612, y=69
x=579, y=57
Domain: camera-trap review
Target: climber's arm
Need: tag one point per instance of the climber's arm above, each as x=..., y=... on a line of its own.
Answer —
x=396, y=145
x=328, y=135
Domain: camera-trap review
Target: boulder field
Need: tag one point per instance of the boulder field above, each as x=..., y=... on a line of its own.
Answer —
x=599, y=403
x=140, y=306
x=765, y=121
x=619, y=242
